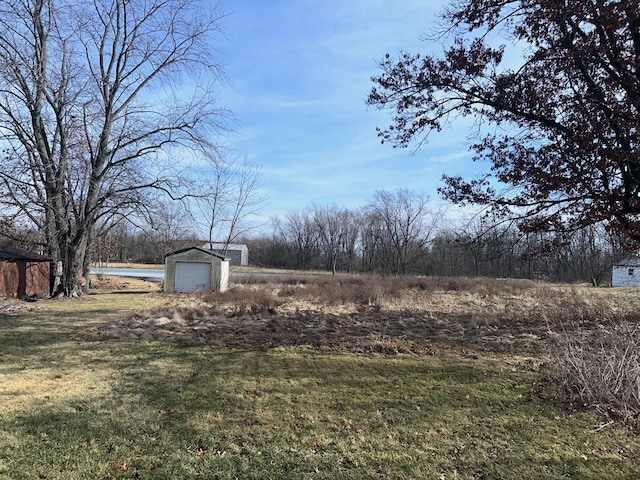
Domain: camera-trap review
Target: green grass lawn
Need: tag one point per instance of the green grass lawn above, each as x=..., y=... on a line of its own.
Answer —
x=76, y=406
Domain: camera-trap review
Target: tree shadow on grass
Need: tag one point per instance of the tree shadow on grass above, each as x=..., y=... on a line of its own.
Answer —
x=171, y=407
x=35, y=330
x=144, y=421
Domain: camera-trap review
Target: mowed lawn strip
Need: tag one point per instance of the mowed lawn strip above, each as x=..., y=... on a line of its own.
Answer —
x=76, y=406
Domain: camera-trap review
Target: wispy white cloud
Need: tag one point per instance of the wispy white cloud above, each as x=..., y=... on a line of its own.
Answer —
x=300, y=72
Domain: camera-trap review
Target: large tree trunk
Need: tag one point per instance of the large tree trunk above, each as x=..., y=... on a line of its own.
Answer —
x=72, y=258
x=72, y=273
x=82, y=135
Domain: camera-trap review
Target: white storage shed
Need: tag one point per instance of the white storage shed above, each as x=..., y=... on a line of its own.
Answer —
x=195, y=269
x=237, y=253
x=626, y=273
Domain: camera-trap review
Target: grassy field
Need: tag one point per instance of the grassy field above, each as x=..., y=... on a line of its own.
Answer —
x=131, y=384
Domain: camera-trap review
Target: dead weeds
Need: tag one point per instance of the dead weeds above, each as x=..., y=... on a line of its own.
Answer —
x=382, y=315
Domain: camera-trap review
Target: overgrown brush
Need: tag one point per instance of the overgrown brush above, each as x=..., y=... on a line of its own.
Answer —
x=254, y=300
x=580, y=309
x=368, y=290
x=595, y=357
x=600, y=369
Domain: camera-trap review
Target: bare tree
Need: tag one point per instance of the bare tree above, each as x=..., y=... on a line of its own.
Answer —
x=246, y=199
x=98, y=100
x=331, y=225
x=445, y=254
x=338, y=235
x=167, y=231
x=350, y=241
x=405, y=227
x=300, y=232
x=230, y=198
x=371, y=240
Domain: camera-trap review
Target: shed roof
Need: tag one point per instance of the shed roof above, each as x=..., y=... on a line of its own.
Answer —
x=225, y=246
x=203, y=250
x=12, y=253
x=628, y=262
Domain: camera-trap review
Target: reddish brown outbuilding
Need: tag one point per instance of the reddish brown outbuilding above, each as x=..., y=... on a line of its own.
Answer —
x=23, y=273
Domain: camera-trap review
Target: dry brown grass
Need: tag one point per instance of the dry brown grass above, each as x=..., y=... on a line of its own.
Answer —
x=387, y=314
x=45, y=387
x=574, y=330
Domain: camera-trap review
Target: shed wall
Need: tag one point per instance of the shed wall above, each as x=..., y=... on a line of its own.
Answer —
x=38, y=278
x=625, y=276
x=235, y=257
x=237, y=253
x=22, y=277
x=219, y=269
x=9, y=278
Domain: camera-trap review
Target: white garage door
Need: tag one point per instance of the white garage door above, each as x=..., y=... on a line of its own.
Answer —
x=192, y=277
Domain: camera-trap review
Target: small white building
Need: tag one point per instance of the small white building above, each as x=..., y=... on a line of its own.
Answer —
x=195, y=269
x=237, y=253
x=626, y=273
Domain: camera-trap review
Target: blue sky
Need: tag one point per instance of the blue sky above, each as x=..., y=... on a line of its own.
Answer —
x=299, y=74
